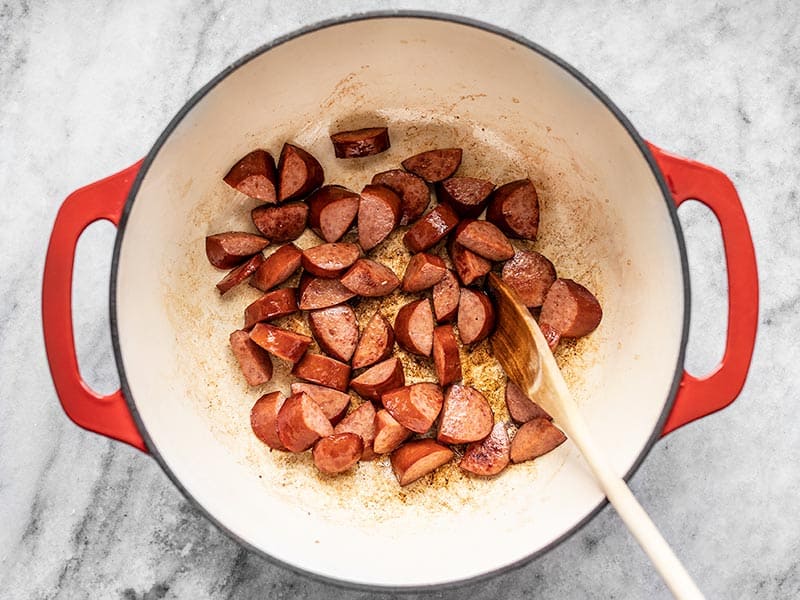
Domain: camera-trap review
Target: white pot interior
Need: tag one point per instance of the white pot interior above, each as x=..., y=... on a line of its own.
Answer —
x=435, y=83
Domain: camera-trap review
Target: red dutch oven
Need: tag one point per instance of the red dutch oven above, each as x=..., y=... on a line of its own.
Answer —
x=608, y=205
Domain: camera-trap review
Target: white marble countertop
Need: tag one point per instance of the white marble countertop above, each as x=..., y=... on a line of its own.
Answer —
x=86, y=91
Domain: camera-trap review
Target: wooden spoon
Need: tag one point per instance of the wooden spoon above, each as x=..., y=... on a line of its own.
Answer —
x=523, y=352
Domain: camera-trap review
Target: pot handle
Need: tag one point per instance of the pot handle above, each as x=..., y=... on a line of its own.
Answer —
x=108, y=415
x=701, y=396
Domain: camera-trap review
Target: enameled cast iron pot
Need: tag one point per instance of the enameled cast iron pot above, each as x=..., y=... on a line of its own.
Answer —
x=608, y=220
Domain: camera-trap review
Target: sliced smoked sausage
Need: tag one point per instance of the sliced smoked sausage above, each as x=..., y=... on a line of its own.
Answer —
x=434, y=165
x=570, y=310
x=299, y=173
x=255, y=363
x=431, y=228
x=279, y=342
x=413, y=191
x=254, y=175
x=264, y=419
x=446, y=294
x=414, y=406
x=489, y=456
x=475, y=316
x=331, y=211
x=274, y=304
x=466, y=416
x=361, y=421
x=469, y=266
x=277, y=267
x=378, y=215
x=301, y=422
x=446, y=360
x=227, y=250
x=370, y=279
x=416, y=459
x=389, y=434
x=413, y=327
x=534, y=438
x=484, y=239
x=281, y=223
x=315, y=292
x=465, y=195
x=240, y=273
x=379, y=379
x=332, y=402
x=330, y=260
x=521, y=408
x=323, y=370
x=336, y=330
x=360, y=142
x=514, y=208
x=422, y=272
x=530, y=274
x=376, y=342
x=334, y=454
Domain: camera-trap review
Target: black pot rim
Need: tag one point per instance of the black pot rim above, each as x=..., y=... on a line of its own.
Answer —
x=646, y=154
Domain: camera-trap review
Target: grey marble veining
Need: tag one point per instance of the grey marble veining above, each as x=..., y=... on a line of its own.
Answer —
x=85, y=91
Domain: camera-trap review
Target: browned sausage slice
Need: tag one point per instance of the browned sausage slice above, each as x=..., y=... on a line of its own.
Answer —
x=415, y=406
x=475, y=316
x=466, y=416
x=551, y=336
x=227, y=250
x=413, y=327
x=281, y=223
x=264, y=419
x=299, y=173
x=570, y=309
x=282, y=343
x=254, y=176
x=323, y=370
x=274, y=304
x=277, y=267
x=255, y=363
x=321, y=293
x=332, y=402
x=431, y=228
x=378, y=215
x=446, y=294
x=360, y=142
x=389, y=434
x=369, y=278
x=490, y=456
x=331, y=211
x=521, y=408
x=361, y=421
x=423, y=271
x=376, y=342
x=336, y=330
x=240, y=273
x=514, y=208
x=336, y=453
x=484, y=239
x=469, y=266
x=465, y=195
x=416, y=459
x=330, y=260
x=535, y=438
x=413, y=191
x=446, y=361
x=530, y=274
x=434, y=165
x=301, y=422
x=379, y=379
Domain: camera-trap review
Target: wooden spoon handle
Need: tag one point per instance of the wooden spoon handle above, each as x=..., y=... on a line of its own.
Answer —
x=639, y=523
